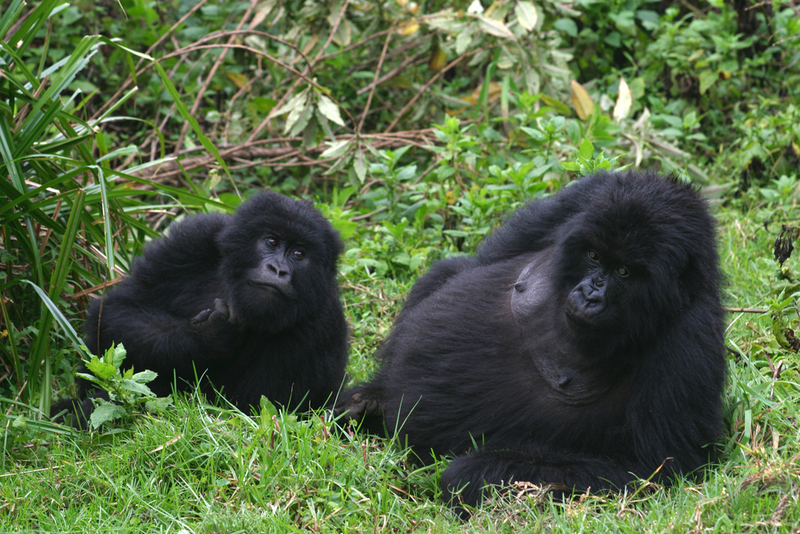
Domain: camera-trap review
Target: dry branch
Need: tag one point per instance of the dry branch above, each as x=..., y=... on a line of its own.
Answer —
x=278, y=156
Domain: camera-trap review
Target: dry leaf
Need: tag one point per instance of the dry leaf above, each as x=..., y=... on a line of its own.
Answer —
x=408, y=28
x=584, y=106
x=624, y=101
x=239, y=80
x=437, y=60
x=494, y=93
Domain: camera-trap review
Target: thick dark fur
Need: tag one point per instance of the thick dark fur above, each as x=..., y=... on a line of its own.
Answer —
x=582, y=346
x=215, y=299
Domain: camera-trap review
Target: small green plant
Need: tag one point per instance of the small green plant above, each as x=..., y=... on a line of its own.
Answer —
x=585, y=162
x=127, y=391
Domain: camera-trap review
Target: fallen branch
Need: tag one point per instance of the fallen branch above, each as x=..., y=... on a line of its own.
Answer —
x=745, y=310
x=279, y=156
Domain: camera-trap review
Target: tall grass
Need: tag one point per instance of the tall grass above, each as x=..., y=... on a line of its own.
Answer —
x=69, y=221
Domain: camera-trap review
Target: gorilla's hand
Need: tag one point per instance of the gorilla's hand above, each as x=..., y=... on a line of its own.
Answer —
x=360, y=403
x=222, y=313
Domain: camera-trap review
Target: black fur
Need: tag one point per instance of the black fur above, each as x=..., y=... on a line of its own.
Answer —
x=582, y=346
x=250, y=301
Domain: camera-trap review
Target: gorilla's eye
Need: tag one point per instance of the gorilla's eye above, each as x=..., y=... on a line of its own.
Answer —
x=298, y=254
x=272, y=241
x=594, y=256
x=623, y=271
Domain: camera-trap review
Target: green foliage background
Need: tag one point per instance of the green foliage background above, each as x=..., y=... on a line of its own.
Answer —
x=414, y=127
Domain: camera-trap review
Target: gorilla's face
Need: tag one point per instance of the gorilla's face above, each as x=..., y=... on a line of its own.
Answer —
x=593, y=302
x=588, y=288
x=603, y=286
x=276, y=279
x=279, y=262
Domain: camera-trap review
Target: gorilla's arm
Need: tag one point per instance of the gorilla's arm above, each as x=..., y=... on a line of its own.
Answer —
x=153, y=340
x=534, y=227
x=436, y=277
x=465, y=480
x=158, y=340
x=675, y=411
x=158, y=313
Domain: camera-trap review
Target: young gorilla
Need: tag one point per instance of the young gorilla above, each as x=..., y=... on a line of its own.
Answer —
x=248, y=301
x=582, y=346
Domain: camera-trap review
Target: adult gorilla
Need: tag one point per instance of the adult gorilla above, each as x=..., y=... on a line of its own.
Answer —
x=582, y=346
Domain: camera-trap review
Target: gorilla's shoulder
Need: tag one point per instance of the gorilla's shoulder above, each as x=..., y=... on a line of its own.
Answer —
x=191, y=240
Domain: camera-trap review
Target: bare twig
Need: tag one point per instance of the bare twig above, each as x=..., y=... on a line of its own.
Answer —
x=329, y=40
x=389, y=75
x=278, y=155
x=368, y=215
x=427, y=85
x=127, y=83
x=201, y=93
x=745, y=310
x=374, y=81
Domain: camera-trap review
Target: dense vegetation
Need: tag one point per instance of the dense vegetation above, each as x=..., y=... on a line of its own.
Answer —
x=413, y=126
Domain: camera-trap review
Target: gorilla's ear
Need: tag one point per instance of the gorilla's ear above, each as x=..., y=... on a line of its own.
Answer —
x=681, y=268
x=229, y=239
x=691, y=278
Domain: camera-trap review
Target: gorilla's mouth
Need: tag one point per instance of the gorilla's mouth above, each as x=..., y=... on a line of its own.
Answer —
x=284, y=290
x=268, y=286
x=586, y=317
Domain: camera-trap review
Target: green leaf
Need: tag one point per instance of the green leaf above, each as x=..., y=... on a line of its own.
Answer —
x=105, y=413
x=101, y=369
x=567, y=26
x=158, y=405
x=335, y=150
x=329, y=109
x=117, y=354
x=297, y=101
x=345, y=228
x=526, y=15
x=587, y=150
x=562, y=108
x=463, y=40
x=360, y=167
x=136, y=387
x=143, y=377
x=534, y=133
x=570, y=166
x=267, y=407
x=298, y=120
x=20, y=423
x=707, y=79
x=11, y=15
x=495, y=27
x=62, y=321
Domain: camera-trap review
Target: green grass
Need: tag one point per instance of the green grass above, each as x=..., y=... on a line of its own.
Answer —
x=204, y=469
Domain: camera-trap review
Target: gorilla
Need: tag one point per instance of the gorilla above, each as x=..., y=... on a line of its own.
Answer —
x=249, y=302
x=582, y=347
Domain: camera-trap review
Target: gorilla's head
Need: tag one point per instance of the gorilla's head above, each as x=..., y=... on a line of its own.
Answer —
x=279, y=259
x=626, y=265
